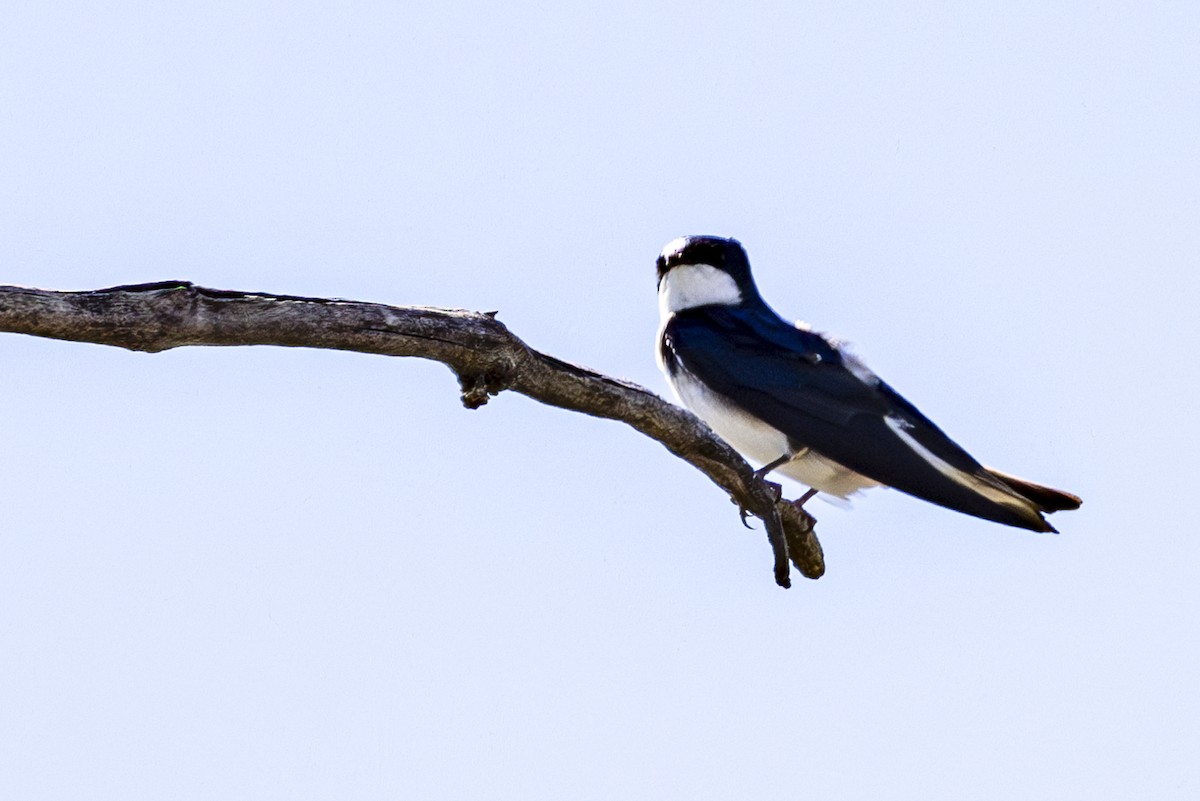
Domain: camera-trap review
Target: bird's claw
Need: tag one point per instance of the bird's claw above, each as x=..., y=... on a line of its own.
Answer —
x=776, y=490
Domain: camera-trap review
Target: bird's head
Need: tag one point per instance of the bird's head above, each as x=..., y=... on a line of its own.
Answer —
x=696, y=271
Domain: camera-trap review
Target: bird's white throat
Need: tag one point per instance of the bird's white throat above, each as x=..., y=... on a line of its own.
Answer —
x=690, y=285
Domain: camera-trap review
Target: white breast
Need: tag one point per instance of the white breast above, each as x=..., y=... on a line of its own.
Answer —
x=691, y=285
x=747, y=434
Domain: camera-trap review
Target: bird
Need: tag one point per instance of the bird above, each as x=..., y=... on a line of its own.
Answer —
x=801, y=404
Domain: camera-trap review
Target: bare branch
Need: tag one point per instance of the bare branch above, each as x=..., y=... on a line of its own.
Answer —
x=482, y=352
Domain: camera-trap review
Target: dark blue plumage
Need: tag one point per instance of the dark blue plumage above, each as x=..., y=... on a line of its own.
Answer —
x=773, y=389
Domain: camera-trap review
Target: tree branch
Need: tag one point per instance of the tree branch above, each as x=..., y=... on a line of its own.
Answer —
x=482, y=352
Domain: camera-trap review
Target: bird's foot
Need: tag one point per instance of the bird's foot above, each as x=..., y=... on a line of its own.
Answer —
x=776, y=489
x=761, y=473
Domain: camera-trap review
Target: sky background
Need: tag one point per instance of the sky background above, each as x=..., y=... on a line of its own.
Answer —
x=277, y=574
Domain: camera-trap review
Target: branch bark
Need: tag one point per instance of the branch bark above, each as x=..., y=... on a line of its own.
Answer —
x=482, y=352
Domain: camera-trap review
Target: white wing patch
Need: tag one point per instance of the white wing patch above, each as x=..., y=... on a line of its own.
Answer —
x=992, y=492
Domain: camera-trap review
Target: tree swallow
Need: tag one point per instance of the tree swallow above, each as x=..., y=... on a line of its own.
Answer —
x=799, y=403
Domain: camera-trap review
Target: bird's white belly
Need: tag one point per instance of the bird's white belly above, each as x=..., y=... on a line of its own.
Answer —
x=763, y=443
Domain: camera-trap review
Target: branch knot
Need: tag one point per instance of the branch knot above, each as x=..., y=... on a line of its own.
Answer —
x=479, y=387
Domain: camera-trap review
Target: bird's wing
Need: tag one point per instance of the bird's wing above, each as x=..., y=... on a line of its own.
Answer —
x=798, y=382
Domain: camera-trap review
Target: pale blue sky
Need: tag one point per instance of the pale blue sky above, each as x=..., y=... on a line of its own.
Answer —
x=239, y=573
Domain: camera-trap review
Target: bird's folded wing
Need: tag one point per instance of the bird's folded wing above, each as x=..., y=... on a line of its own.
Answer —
x=796, y=381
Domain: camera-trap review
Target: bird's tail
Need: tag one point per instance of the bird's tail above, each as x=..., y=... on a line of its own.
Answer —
x=1047, y=498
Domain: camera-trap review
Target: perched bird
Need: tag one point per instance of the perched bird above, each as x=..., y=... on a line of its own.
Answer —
x=800, y=404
